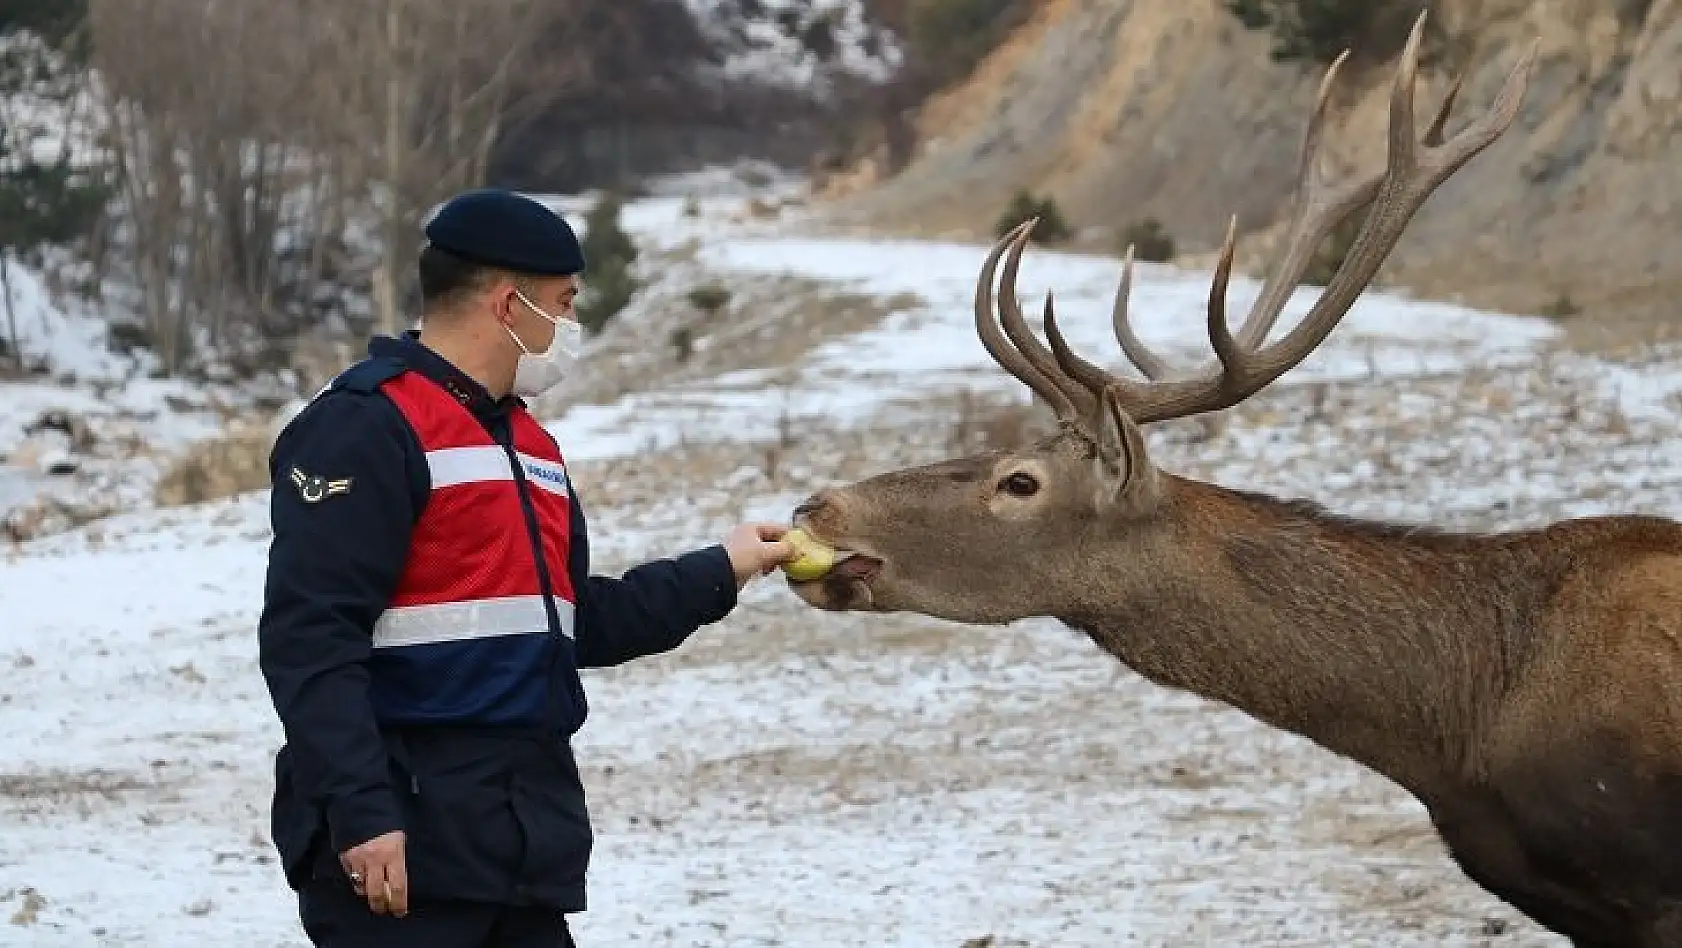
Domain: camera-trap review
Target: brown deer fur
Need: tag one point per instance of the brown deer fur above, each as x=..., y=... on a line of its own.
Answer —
x=1525, y=686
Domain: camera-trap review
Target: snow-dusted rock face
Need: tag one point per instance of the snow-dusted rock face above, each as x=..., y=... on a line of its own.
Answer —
x=797, y=43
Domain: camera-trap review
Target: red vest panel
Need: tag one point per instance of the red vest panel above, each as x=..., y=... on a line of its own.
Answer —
x=471, y=572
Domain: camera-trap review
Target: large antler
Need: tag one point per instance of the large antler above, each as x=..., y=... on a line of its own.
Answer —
x=1416, y=167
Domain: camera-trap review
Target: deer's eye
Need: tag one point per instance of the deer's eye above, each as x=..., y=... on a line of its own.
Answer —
x=1019, y=484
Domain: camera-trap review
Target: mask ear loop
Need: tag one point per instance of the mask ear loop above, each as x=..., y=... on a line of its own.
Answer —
x=508, y=328
x=535, y=308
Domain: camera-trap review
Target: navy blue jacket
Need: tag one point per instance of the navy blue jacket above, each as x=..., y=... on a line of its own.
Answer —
x=490, y=814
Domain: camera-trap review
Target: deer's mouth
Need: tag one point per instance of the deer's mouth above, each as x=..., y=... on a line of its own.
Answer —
x=855, y=568
x=847, y=584
x=846, y=587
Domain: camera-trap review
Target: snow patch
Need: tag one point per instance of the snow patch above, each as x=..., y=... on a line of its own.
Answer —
x=64, y=337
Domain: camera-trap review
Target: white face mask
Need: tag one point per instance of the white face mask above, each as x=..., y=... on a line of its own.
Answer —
x=538, y=372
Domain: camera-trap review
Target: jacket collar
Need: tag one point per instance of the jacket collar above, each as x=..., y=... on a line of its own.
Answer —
x=408, y=349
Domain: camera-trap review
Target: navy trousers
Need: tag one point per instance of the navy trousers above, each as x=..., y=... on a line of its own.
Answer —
x=335, y=917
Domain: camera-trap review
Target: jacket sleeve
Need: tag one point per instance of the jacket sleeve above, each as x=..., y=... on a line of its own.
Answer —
x=333, y=563
x=653, y=608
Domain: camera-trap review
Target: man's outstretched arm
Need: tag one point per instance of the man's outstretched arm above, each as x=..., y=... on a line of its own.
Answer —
x=654, y=607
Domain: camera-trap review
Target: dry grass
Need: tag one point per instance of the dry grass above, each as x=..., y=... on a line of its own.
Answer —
x=233, y=463
x=1616, y=334
x=53, y=785
x=982, y=424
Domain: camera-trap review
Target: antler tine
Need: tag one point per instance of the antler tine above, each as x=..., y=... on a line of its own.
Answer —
x=1434, y=134
x=1010, y=312
x=1009, y=358
x=1095, y=379
x=1417, y=167
x=1414, y=170
x=1312, y=217
x=1151, y=365
x=1318, y=208
x=1227, y=349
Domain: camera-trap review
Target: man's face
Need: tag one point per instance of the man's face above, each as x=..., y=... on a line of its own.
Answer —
x=554, y=295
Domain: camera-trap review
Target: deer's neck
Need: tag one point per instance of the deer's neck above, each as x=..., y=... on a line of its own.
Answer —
x=1386, y=646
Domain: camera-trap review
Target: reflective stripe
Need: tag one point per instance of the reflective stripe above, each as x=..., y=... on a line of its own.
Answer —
x=548, y=475
x=464, y=621
x=452, y=466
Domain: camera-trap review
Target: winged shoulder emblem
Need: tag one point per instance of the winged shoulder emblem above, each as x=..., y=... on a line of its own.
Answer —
x=314, y=488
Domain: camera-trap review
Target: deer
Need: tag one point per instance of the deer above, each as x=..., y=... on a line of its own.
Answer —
x=1524, y=686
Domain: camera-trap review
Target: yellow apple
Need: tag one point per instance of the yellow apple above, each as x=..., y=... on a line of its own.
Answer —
x=812, y=559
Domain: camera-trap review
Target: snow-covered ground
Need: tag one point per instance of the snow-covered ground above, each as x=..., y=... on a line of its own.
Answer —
x=796, y=778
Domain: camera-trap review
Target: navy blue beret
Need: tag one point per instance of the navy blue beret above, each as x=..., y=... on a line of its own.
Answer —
x=498, y=228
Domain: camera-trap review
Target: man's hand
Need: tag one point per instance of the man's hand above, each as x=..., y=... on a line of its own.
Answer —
x=378, y=873
x=756, y=549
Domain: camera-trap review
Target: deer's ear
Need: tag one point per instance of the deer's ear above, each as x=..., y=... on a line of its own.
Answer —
x=1121, y=450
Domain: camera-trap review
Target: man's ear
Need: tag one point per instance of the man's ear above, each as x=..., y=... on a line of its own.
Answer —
x=503, y=301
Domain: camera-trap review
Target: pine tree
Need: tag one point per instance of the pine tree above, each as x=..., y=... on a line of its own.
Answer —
x=1318, y=31
x=57, y=22
x=609, y=254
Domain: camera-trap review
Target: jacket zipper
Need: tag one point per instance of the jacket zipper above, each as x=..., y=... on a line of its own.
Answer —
x=522, y=487
x=545, y=584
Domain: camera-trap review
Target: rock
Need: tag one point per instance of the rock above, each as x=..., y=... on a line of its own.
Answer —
x=59, y=463
x=46, y=451
x=49, y=514
x=73, y=427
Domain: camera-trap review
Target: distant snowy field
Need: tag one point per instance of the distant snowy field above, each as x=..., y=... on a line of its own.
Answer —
x=799, y=779
x=934, y=347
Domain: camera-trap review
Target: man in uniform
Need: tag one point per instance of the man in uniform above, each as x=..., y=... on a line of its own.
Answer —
x=429, y=603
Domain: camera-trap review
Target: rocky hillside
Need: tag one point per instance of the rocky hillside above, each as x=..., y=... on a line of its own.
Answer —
x=1127, y=108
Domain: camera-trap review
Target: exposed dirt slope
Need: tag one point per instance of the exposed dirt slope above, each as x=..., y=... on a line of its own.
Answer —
x=1127, y=108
